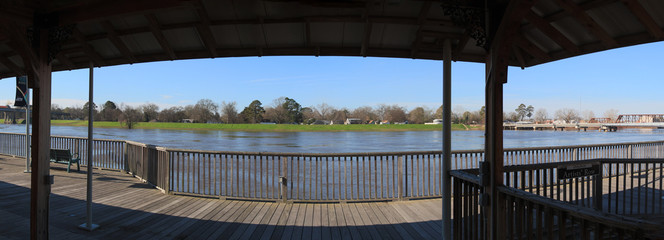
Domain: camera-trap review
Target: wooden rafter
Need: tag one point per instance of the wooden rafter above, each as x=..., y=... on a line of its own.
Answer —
x=532, y=49
x=105, y=9
x=203, y=28
x=117, y=42
x=311, y=19
x=307, y=33
x=19, y=42
x=366, y=40
x=64, y=60
x=588, y=22
x=418, y=35
x=551, y=32
x=159, y=35
x=4, y=60
x=89, y=51
x=519, y=56
x=645, y=18
x=592, y=4
x=460, y=46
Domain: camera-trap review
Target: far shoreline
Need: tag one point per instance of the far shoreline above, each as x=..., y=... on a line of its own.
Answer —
x=270, y=127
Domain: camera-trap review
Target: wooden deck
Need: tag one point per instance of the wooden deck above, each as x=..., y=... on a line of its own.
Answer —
x=126, y=208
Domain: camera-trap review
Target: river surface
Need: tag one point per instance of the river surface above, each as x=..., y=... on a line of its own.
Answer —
x=338, y=142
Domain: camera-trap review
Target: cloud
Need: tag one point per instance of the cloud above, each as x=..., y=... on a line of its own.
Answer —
x=66, y=102
x=166, y=96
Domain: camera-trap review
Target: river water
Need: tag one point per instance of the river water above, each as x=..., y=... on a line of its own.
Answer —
x=339, y=142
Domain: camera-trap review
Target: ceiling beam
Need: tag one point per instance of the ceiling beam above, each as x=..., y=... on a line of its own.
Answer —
x=460, y=46
x=645, y=18
x=4, y=60
x=307, y=33
x=159, y=35
x=368, y=26
x=64, y=61
x=89, y=50
x=117, y=42
x=203, y=28
x=213, y=23
x=588, y=22
x=94, y=10
x=551, y=32
x=426, y=6
x=532, y=49
x=519, y=56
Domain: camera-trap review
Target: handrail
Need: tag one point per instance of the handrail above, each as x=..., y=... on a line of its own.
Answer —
x=466, y=176
x=362, y=176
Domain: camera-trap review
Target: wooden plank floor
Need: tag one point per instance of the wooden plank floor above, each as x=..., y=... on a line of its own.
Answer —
x=126, y=208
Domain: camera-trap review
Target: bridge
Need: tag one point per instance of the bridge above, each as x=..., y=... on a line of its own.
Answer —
x=551, y=126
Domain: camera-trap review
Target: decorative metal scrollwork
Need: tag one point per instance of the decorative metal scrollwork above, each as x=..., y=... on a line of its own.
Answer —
x=56, y=34
x=470, y=17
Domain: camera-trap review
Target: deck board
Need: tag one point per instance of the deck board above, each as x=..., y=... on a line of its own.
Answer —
x=126, y=208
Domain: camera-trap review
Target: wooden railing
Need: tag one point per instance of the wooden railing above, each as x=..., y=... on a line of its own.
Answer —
x=529, y=216
x=322, y=177
x=308, y=177
x=611, y=203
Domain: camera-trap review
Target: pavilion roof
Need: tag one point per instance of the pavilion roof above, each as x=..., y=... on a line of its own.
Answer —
x=133, y=31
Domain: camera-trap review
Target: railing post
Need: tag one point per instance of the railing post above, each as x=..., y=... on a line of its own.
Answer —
x=283, y=180
x=400, y=176
x=598, y=189
x=125, y=158
x=575, y=154
x=629, y=151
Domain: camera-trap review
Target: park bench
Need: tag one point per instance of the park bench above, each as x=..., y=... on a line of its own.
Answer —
x=64, y=156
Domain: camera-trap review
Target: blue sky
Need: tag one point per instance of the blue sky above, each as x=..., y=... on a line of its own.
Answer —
x=627, y=79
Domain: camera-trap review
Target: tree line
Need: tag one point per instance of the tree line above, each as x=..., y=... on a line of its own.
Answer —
x=286, y=110
x=567, y=115
x=283, y=110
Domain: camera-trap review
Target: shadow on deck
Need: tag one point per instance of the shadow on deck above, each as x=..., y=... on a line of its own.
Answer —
x=126, y=208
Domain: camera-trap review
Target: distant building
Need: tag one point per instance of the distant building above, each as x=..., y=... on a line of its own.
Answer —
x=435, y=121
x=352, y=121
x=321, y=122
x=186, y=120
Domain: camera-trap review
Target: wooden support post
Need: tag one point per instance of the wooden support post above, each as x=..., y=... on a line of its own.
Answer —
x=447, y=138
x=283, y=179
x=494, y=145
x=400, y=177
x=503, y=21
x=40, y=187
x=597, y=195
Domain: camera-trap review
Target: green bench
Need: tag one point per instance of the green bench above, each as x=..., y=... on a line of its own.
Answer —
x=64, y=156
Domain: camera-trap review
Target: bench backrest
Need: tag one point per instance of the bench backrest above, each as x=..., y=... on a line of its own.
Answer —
x=61, y=154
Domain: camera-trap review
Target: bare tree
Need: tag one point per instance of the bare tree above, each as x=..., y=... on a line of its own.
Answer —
x=588, y=115
x=277, y=113
x=205, y=110
x=395, y=113
x=567, y=114
x=130, y=117
x=365, y=114
x=229, y=112
x=541, y=115
x=417, y=115
x=611, y=114
x=324, y=111
x=172, y=114
x=340, y=115
x=150, y=111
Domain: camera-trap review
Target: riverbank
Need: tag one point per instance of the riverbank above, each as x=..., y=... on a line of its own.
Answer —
x=268, y=127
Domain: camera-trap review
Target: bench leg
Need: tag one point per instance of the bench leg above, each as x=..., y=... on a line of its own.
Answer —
x=78, y=166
